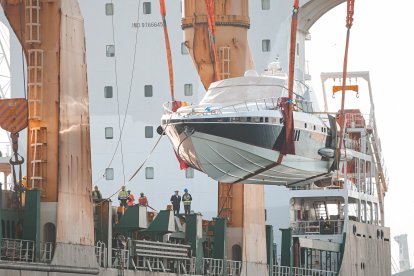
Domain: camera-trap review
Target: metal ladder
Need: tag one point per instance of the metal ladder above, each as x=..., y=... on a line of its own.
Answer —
x=35, y=83
x=224, y=57
x=35, y=59
x=38, y=144
x=226, y=202
x=32, y=24
x=321, y=210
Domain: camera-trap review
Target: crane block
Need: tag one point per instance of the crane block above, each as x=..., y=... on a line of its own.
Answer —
x=13, y=114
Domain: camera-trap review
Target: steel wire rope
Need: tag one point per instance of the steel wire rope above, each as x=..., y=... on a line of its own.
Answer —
x=121, y=128
x=119, y=143
x=142, y=164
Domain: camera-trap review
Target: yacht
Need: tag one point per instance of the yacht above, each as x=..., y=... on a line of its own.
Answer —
x=235, y=134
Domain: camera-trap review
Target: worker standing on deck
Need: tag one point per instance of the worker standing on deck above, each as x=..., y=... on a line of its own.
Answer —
x=123, y=197
x=96, y=194
x=142, y=200
x=131, y=199
x=176, y=201
x=187, y=198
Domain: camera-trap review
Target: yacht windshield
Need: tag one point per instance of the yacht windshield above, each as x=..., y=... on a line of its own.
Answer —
x=236, y=90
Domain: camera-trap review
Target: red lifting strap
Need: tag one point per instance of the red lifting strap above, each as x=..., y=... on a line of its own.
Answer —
x=289, y=146
x=211, y=19
x=168, y=49
x=349, y=19
x=350, y=14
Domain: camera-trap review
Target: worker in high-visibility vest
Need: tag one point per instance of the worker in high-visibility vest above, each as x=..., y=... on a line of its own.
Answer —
x=123, y=197
x=24, y=181
x=131, y=199
x=187, y=198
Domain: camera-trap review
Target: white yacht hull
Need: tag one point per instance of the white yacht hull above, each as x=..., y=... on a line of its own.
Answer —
x=225, y=153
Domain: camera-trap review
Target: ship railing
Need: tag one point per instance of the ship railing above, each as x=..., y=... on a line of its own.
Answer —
x=317, y=227
x=18, y=250
x=101, y=254
x=297, y=271
x=233, y=268
x=160, y=256
x=312, y=187
x=213, y=267
x=120, y=258
x=245, y=106
x=46, y=252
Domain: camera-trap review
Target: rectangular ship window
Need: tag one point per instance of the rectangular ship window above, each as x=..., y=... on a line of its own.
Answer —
x=147, y=7
x=110, y=50
x=109, y=9
x=188, y=89
x=184, y=49
x=109, y=174
x=108, y=92
x=149, y=172
x=148, y=90
x=189, y=173
x=149, y=132
x=265, y=4
x=109, y=133
x=266, y=45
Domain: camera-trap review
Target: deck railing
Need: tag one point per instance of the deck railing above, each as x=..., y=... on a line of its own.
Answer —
x=233, y=268
x=296, y=271
x=245, y=106
x=213, y=267
x=17, y=250
x=317, y=227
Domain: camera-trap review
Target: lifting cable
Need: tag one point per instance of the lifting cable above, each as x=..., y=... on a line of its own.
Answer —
x=142, y=164
x=117, y=99
x=119, y=143
x=349, y=19
x=211, y=19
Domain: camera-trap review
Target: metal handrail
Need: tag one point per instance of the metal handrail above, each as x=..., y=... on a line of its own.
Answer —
x=298, y=271
x=233, y=268
x=46, y=252
x=101, y=254
x=17, y=250
x=212, y=267
x=253, y=105
x=317, y=227
x=120, y=258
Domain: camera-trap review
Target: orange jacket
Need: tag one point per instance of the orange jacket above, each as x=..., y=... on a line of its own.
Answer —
x=131, y=200
x=143, y=201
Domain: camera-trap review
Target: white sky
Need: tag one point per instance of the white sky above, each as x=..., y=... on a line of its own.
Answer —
x=381, y=42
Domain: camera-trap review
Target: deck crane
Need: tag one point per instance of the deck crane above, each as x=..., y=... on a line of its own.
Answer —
x=52, y=37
